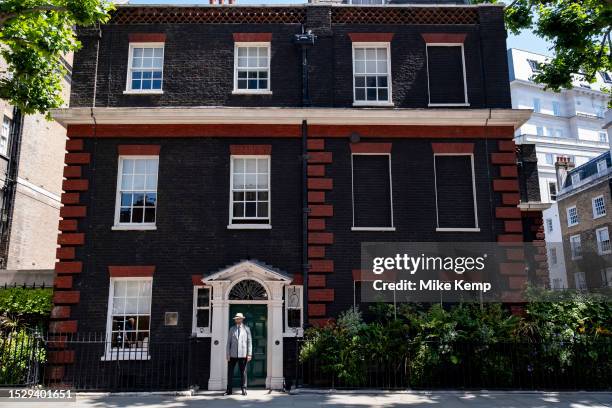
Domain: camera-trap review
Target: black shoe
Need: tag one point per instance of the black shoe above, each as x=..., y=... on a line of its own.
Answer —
x=244, y=391
x=227, y=393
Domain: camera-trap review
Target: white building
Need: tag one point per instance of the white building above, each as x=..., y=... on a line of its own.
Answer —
x=565, y=124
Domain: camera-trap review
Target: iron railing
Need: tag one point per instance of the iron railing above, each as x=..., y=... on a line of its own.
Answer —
x=22, y=353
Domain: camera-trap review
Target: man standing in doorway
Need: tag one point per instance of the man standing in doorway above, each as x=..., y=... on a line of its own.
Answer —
x=239, y=350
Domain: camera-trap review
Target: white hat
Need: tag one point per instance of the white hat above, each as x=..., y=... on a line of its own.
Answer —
x=239, y=316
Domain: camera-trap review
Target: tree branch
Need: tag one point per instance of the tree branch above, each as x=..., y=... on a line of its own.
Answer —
x=9, y=16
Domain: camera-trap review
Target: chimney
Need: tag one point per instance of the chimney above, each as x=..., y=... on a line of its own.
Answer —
x=562, y=167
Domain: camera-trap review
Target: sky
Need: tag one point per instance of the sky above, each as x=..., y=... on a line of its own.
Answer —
x=525, y=41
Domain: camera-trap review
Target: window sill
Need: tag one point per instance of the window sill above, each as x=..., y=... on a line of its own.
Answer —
x=599, y=216
x=202, y=333
x=366, y=104
x=293, y=332
x=126, y=356
x=134, y=227
x=373, y=229
x=442, y=105
x=250, y=226
x=136, y=92
x=245, y=92
x=573, y=225
x=576, y=258
x=457, y=229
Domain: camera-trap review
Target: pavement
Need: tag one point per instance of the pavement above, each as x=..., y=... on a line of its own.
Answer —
x=361, y=399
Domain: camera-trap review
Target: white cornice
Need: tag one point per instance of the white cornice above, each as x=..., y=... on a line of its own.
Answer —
x=293, y=116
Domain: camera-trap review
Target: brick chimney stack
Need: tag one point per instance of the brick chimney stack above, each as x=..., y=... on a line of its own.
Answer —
x=562, y=167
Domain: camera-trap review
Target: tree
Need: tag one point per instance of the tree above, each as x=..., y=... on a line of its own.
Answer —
x=579, y=31
x=34, y=35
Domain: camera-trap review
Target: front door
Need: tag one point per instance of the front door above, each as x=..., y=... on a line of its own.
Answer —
x=256, y=319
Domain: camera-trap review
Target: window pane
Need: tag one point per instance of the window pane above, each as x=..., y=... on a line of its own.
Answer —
x=262, y=209
x=294, y=317
x=149, y=215
x=239, y=181
x=140, y=166
x=126, y=199
x=238, y=209
x=203, y=297
x=250, y=209
x=125, y=214
x=203, y=317
x=137, y=215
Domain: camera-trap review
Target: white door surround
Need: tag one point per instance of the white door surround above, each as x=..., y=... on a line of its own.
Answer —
x=222, y=283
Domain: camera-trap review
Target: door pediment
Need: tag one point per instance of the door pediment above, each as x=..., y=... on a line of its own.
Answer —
x=246, y=269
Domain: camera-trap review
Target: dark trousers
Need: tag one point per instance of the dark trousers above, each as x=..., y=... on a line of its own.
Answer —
x=242, y=364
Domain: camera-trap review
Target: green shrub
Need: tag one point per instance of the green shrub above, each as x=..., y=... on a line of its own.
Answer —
x=24, y=307
x=21, y=350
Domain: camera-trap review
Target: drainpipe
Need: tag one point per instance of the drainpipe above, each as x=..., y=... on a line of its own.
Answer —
x=305, y=212
x=10, y=186
x=305, y=40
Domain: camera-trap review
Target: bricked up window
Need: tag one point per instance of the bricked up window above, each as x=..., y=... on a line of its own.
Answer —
x=252, y=68
x=371, y=74
x=599, y=207
x=446, y=74
x=250, y=198
x=455, y=193
x=146, y=67
x=137, y=191
x=572, y=216
x=372, y=207
x=130, y=317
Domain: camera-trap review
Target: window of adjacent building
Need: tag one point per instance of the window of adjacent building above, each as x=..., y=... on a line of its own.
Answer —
x=552, y=190
x=549, y=131
x=201, y=310
x=603, y=241
x=556, y=108
x=559, y=132
x=129, y=318
x=552, y=256
x=601, y=111
x=601, y=166
x=580, y=280
x=5, y=135
x=575, y=247
x=539, y=130
x=372, y=191
x=536, y=105
x=606, y=277
x=455, y=193
x=371, y=73
x=607, y=78
x=252, y=67
x=367, y=2
x=146, y=67
x=533, y=65
x=446, y=74
x=137, y=191
x=603, y=137
x=250, y=190
x=599, y=206
x=575, y=178
x=294, y=319
x=572, y=216
x=549, y=158
x=549, y=225
x=557, y=283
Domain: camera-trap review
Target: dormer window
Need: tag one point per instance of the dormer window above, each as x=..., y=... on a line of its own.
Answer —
x=145, y=68
x=534, y=65
x=607, y=78
x=575, y=178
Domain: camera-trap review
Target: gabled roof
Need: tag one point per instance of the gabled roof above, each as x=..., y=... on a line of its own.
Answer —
x=246, y=267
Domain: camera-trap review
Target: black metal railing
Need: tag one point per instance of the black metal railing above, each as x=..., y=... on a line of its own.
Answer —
x=505, y=365
x=22, y=353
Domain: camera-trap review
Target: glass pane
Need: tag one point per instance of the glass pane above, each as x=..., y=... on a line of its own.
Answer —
x=238, y=196
x=152, y=166
x=126, y=199
x=242, y=62
x=371, y=81
x=262, y=165
x=238, y=210
x=360, y=94
x=203, y=318
x=158, y=52
x=371, y=94
x=383, y=95
x=149, y=215
x=157, y=63
x=371, y=67
x=126, y=182
x=294, y=317
x=143, y=323
x=262, y=209
x=145, y=288
x=382, y=67
x=137, y=215
x=120, y=288
x=139, y=182
x=128, y=166
x=262, y=181
x=359, y=54
x=359, y=67
x=132, y=288
x=360, y=81
x=370, y=53
x=381, y=81
x=125, y=214
x=147, y=52
x=203, y=297
x=251, y=165
x=150, y=199
x=250, y=181
x=138, y=199
x=250, y=196
x=137, y=52
x=242, y=52
x=151, y=183
x=238, y=181
x=140, y=166
x=250, y=209
x=242, y=84
x=144, y=305
x=131, y=305
x=118, y=305
x=262, y=196
x=381, y=54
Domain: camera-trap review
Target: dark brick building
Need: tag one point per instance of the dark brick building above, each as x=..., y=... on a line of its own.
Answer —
x=216, y=162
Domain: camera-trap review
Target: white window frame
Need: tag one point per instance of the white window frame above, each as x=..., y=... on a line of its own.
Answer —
x=606, y=277
x=476, y=228
x=465, y=102
x=254, y=44
x=569, y=218
x=550, y=194
x=600, y=249
x=111, y=354
x=233, y=225
x=293, y=331
x=573, y=253
x=128, y=84
x=601, y=166
x=553, y=256
x=121, y=226
x=582, y=279
x=354, y=228
x=201, y=331
x=575, y=179
x=389, y=101
x=556, y=108
x=7, y=124
x=549, y=225
x=537, y=105
x=603, y=137
x=593, y=200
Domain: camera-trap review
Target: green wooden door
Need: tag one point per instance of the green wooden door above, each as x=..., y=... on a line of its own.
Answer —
x=256, y=319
